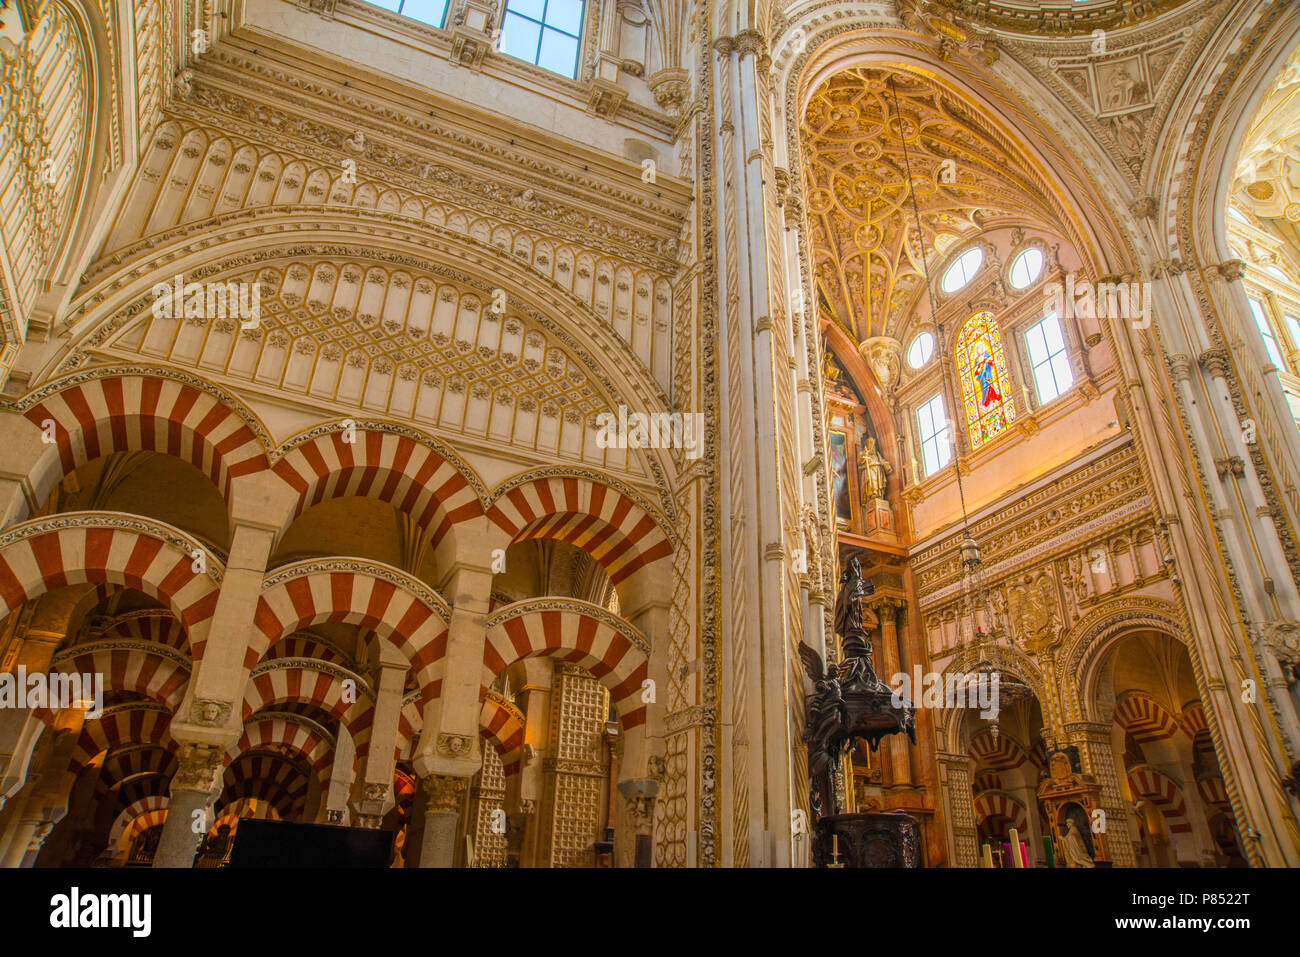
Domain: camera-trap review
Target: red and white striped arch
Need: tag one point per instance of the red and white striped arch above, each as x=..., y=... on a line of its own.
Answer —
x=1193, y=719
x=301, y=681
x=386, y=600
x=130, y=763
x=277, y=733
x=1214, y=794
x=136, y=818
x=124, y=413
x=75, y=548
x=154, y=675
x=1002, y=754
x=1145, y=718
x=999, y=804
x=502, y=724
x=126, y=725
x=575, y=631
x=612, y=527
x=409, y=475
x=266, y=777
x=1161, y=791
x=233, y=811
x=157, y=627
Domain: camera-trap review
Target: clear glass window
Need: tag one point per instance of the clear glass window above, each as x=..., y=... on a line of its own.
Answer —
x=963, y=270
x=919, y=352
x=1266, y=333
x=1048, y=356
x=544, y=32
x=1026, y=268
x=936, y=444
x=433, y=12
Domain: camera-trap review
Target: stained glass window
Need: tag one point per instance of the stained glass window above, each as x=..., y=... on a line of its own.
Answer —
x=985, y=383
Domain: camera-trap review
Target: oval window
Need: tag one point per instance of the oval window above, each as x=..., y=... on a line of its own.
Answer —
x=962, y=271
x=1026, y=268
x=919, y=352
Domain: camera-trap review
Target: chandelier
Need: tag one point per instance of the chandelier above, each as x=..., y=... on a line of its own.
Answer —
x=980, y=629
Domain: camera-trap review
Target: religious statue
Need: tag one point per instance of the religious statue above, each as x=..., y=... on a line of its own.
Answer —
x=873, y=472
x=830, y=371
x=1076, y=851
x=849, y=700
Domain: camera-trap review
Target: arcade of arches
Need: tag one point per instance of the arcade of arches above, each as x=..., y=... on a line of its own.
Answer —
x=314, y=317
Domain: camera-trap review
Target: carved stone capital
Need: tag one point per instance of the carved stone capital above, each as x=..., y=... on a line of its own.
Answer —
x=443, y=793
x=751, y=42
x=671, y=88
x=1215, y=362
x=639, y=801
x=1232, y=464
x=198, y=768
x=324, y=7
x=1180, y=366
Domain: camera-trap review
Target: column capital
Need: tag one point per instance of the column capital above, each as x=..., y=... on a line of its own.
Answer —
x=444, y=793
x=198, y=768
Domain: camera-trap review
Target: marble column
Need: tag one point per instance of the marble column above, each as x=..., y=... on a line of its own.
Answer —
x=444, y=795
x=193, y=787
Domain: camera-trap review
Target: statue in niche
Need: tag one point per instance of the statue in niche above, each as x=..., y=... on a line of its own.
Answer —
x=873, y=471
x=1076, y=851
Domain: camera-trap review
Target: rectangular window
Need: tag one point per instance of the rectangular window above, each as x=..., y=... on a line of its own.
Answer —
x=1293, y=326
x=1266, y=333
x=1047, y=355
x=936, y=446
x=432, y=12
x=544, y=32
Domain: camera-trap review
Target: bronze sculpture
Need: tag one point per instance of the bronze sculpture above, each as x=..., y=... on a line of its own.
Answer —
x=849, y=701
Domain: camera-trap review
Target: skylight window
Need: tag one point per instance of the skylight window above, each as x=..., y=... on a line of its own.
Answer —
x=432, y=12
x=545, y=32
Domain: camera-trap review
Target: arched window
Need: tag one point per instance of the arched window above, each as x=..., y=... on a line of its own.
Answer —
x=985, y=383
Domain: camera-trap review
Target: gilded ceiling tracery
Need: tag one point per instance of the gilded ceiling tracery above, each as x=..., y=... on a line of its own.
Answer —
x=1267, y=178
x=867, y=258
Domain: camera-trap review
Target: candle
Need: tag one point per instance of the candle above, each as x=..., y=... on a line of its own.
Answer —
x=835, y=846
x=1051, y=851
x=1015, y=849
x=987, y=857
